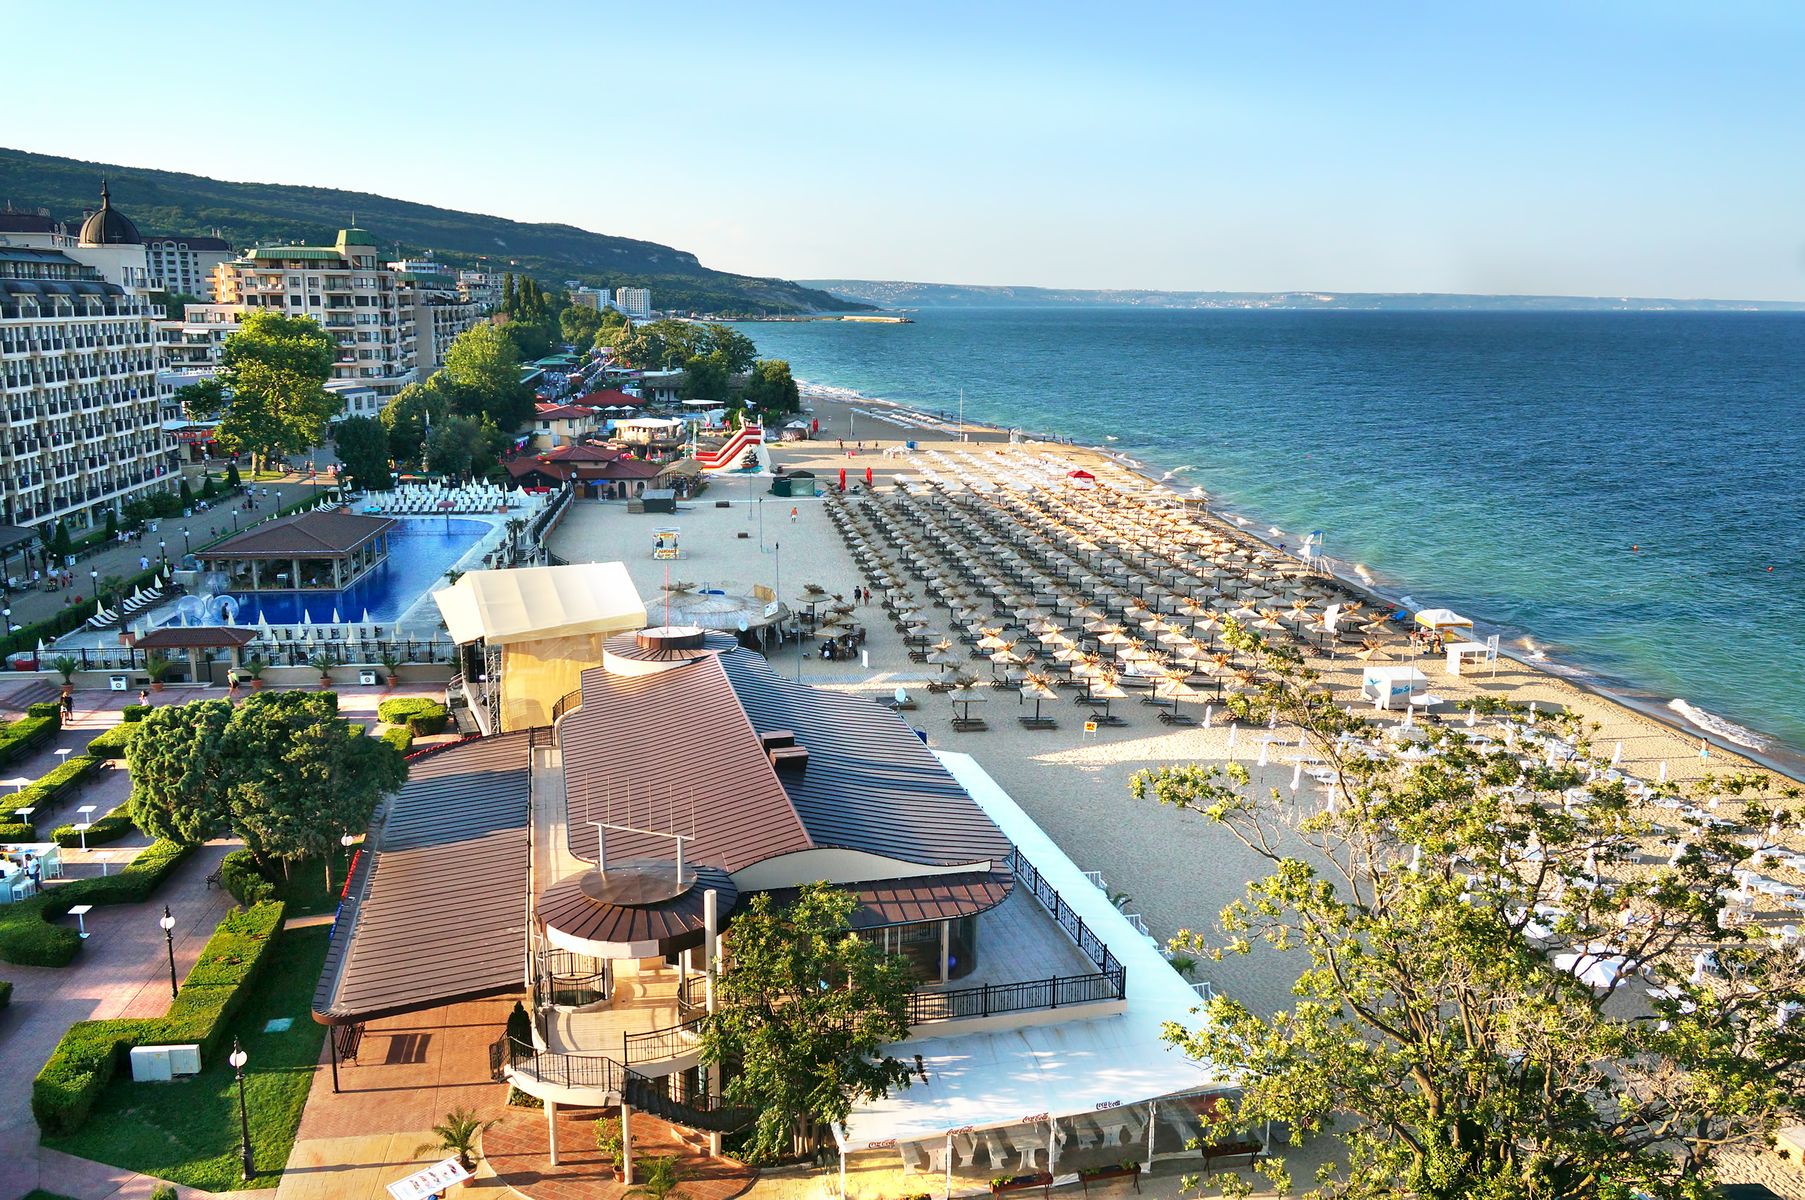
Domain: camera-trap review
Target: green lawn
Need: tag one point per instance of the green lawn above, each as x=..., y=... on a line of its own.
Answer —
x=304, y=891
x=187, y=1131
x=41, y=1194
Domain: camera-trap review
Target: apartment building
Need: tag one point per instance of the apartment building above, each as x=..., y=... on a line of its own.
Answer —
x=185, y=264
x=441, y=311
x=481, y=288
x=596, y=298
x=367, y=308
x=79, y=424
x=635, y=302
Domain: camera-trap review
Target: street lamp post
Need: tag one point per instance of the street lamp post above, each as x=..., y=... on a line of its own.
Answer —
x=94, y=576
x=167, y=921
x=238, y=1058
x=184, y=541
x=163, y=549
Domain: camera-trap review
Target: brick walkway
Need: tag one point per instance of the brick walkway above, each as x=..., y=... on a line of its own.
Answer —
x=123, y=970
x=516, y=1150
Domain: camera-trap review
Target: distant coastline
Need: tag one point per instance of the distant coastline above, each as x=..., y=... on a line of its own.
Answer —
x=894, y=294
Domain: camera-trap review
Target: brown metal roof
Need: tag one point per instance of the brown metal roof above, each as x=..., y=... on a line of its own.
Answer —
x=871, y=783
x=674, y=924
x=436, y=910
x=925, y=898
x=199, y=637
x=655, y=751
x=308, y=535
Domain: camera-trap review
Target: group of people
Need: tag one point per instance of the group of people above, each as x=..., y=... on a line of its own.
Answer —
x=1428, y=641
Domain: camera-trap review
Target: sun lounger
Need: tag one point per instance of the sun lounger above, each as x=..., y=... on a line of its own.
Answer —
x=969, y=725
x=1038, y=722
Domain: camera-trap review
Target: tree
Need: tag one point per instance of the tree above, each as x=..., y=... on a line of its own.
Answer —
x=1499, y=995
x=771, y=392
x=363, y=449
x=416, y=407
x=112, y=524
x=276, y=368
x=531, y=340
x=457, y=1134
x=613, y=326
x=808, y=1053
x=65, y=542
x=281, y=770
x=734, y=347
x=187, y=495
x=181, y=782
x=578, y=324
x=705, y=377
x=201, y=400
x=233, y=480
x=462, y=446
x=482, y=371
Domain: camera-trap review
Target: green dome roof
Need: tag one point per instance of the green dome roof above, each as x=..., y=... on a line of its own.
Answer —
x=355, y=237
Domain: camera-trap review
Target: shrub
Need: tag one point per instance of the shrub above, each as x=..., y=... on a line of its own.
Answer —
x=418, y=713
x=113, y=742
x=6, y=992
x=166, y=1191
x=400, y=737
x=26, y=935
x=239, y=873
x=17, y=831
x=30, y=731
x=134, y=712
x=85, y=1060
x=50, y=785
x=48, y=708
x=109, y=828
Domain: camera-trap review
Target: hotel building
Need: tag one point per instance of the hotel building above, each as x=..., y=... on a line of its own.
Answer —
x=635, y=302
x=185, y=264
x=79, y=422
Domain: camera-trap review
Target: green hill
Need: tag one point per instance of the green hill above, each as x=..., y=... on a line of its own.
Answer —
x=250, y=213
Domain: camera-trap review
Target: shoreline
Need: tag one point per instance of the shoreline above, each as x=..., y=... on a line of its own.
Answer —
x=1643, y=706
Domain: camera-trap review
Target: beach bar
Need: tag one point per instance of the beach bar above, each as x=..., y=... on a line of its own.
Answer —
x=324, y=551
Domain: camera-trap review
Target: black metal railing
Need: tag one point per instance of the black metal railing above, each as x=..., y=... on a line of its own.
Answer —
x=661, y=1045
x=675, y=1099
x=567, y=702
x=572, y=980
x=590, y=1071
x=1057, y=991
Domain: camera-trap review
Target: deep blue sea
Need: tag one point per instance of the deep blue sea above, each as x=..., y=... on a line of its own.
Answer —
x=1624, y=489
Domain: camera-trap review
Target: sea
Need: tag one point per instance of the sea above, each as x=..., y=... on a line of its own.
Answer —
x=1619, y=495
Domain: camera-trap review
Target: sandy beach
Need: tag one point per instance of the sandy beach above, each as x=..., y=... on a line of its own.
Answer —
x=1173, y=869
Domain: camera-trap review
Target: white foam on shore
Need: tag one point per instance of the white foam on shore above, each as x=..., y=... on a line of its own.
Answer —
x=1729, y=731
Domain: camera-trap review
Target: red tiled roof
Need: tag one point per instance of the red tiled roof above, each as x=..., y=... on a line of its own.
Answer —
x=197, y=637
x=560, y=412
x=307, y=535
x=611, y=399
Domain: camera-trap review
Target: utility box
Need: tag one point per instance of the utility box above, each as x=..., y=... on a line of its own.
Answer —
x=116, y=683
x=366, y=678
x=159, y=1064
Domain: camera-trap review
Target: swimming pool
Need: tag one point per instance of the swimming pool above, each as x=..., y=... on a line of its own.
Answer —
x=421, y=550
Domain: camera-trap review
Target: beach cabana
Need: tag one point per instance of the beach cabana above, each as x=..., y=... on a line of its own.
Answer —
x=1442, y=618
x=1384, y=683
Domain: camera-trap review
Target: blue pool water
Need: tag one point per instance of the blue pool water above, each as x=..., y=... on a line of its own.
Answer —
x=420, y=552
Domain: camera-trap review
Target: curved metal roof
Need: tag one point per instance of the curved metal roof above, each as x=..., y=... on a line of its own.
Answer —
x=109, y=226
x=577, y=921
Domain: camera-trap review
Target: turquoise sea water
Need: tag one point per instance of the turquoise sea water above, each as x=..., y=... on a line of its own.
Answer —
x=1625, y=490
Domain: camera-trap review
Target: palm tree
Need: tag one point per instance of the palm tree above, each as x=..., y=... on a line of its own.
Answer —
x=661, y=1180
x=457, y=1134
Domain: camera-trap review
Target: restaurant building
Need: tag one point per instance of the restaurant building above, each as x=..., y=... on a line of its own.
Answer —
x=680, y=777
x=325, y=551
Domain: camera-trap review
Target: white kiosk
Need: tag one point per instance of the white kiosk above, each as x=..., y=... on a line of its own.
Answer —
x=1383, y=683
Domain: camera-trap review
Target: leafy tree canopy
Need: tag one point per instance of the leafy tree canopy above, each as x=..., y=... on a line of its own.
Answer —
x=282, y=770
x=807, y=1053
x=667, y=344
x=1499, y=995
x=363, y=449
x=771, y=392
x=705, y=377
x=276, y=368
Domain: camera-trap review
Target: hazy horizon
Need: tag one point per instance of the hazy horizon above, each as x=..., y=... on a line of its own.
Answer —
x=1607, y=150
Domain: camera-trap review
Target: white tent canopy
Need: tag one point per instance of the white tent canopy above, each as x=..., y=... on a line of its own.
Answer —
x=1001, y=1078
x=1387, y=682
x=534, y=603
x=1442, y=618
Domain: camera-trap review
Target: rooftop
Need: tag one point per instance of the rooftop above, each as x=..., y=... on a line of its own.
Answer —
x=307, y=535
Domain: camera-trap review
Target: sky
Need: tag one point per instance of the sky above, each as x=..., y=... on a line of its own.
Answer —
x=1595, y=148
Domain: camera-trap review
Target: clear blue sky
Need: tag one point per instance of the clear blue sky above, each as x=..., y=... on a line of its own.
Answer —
x=1605, y=148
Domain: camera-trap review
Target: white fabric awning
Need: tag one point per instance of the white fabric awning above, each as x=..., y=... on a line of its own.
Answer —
x=1055, y=1068
x=1441, y=618
x=531, y=603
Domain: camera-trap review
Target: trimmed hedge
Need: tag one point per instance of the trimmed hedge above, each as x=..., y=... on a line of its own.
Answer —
x=419, y=714
x=113, y=742
x=133, y=713
x=400, y=737
x=20, y=737
x=109, y=828
x=91, y=1052
x=6, y=992
x=239, y=873
x=26, y=935
x=50, y=785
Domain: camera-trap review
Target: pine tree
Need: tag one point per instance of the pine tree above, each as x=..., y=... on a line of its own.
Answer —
x=112, y=525
x=232, y=480
x=510, y=301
